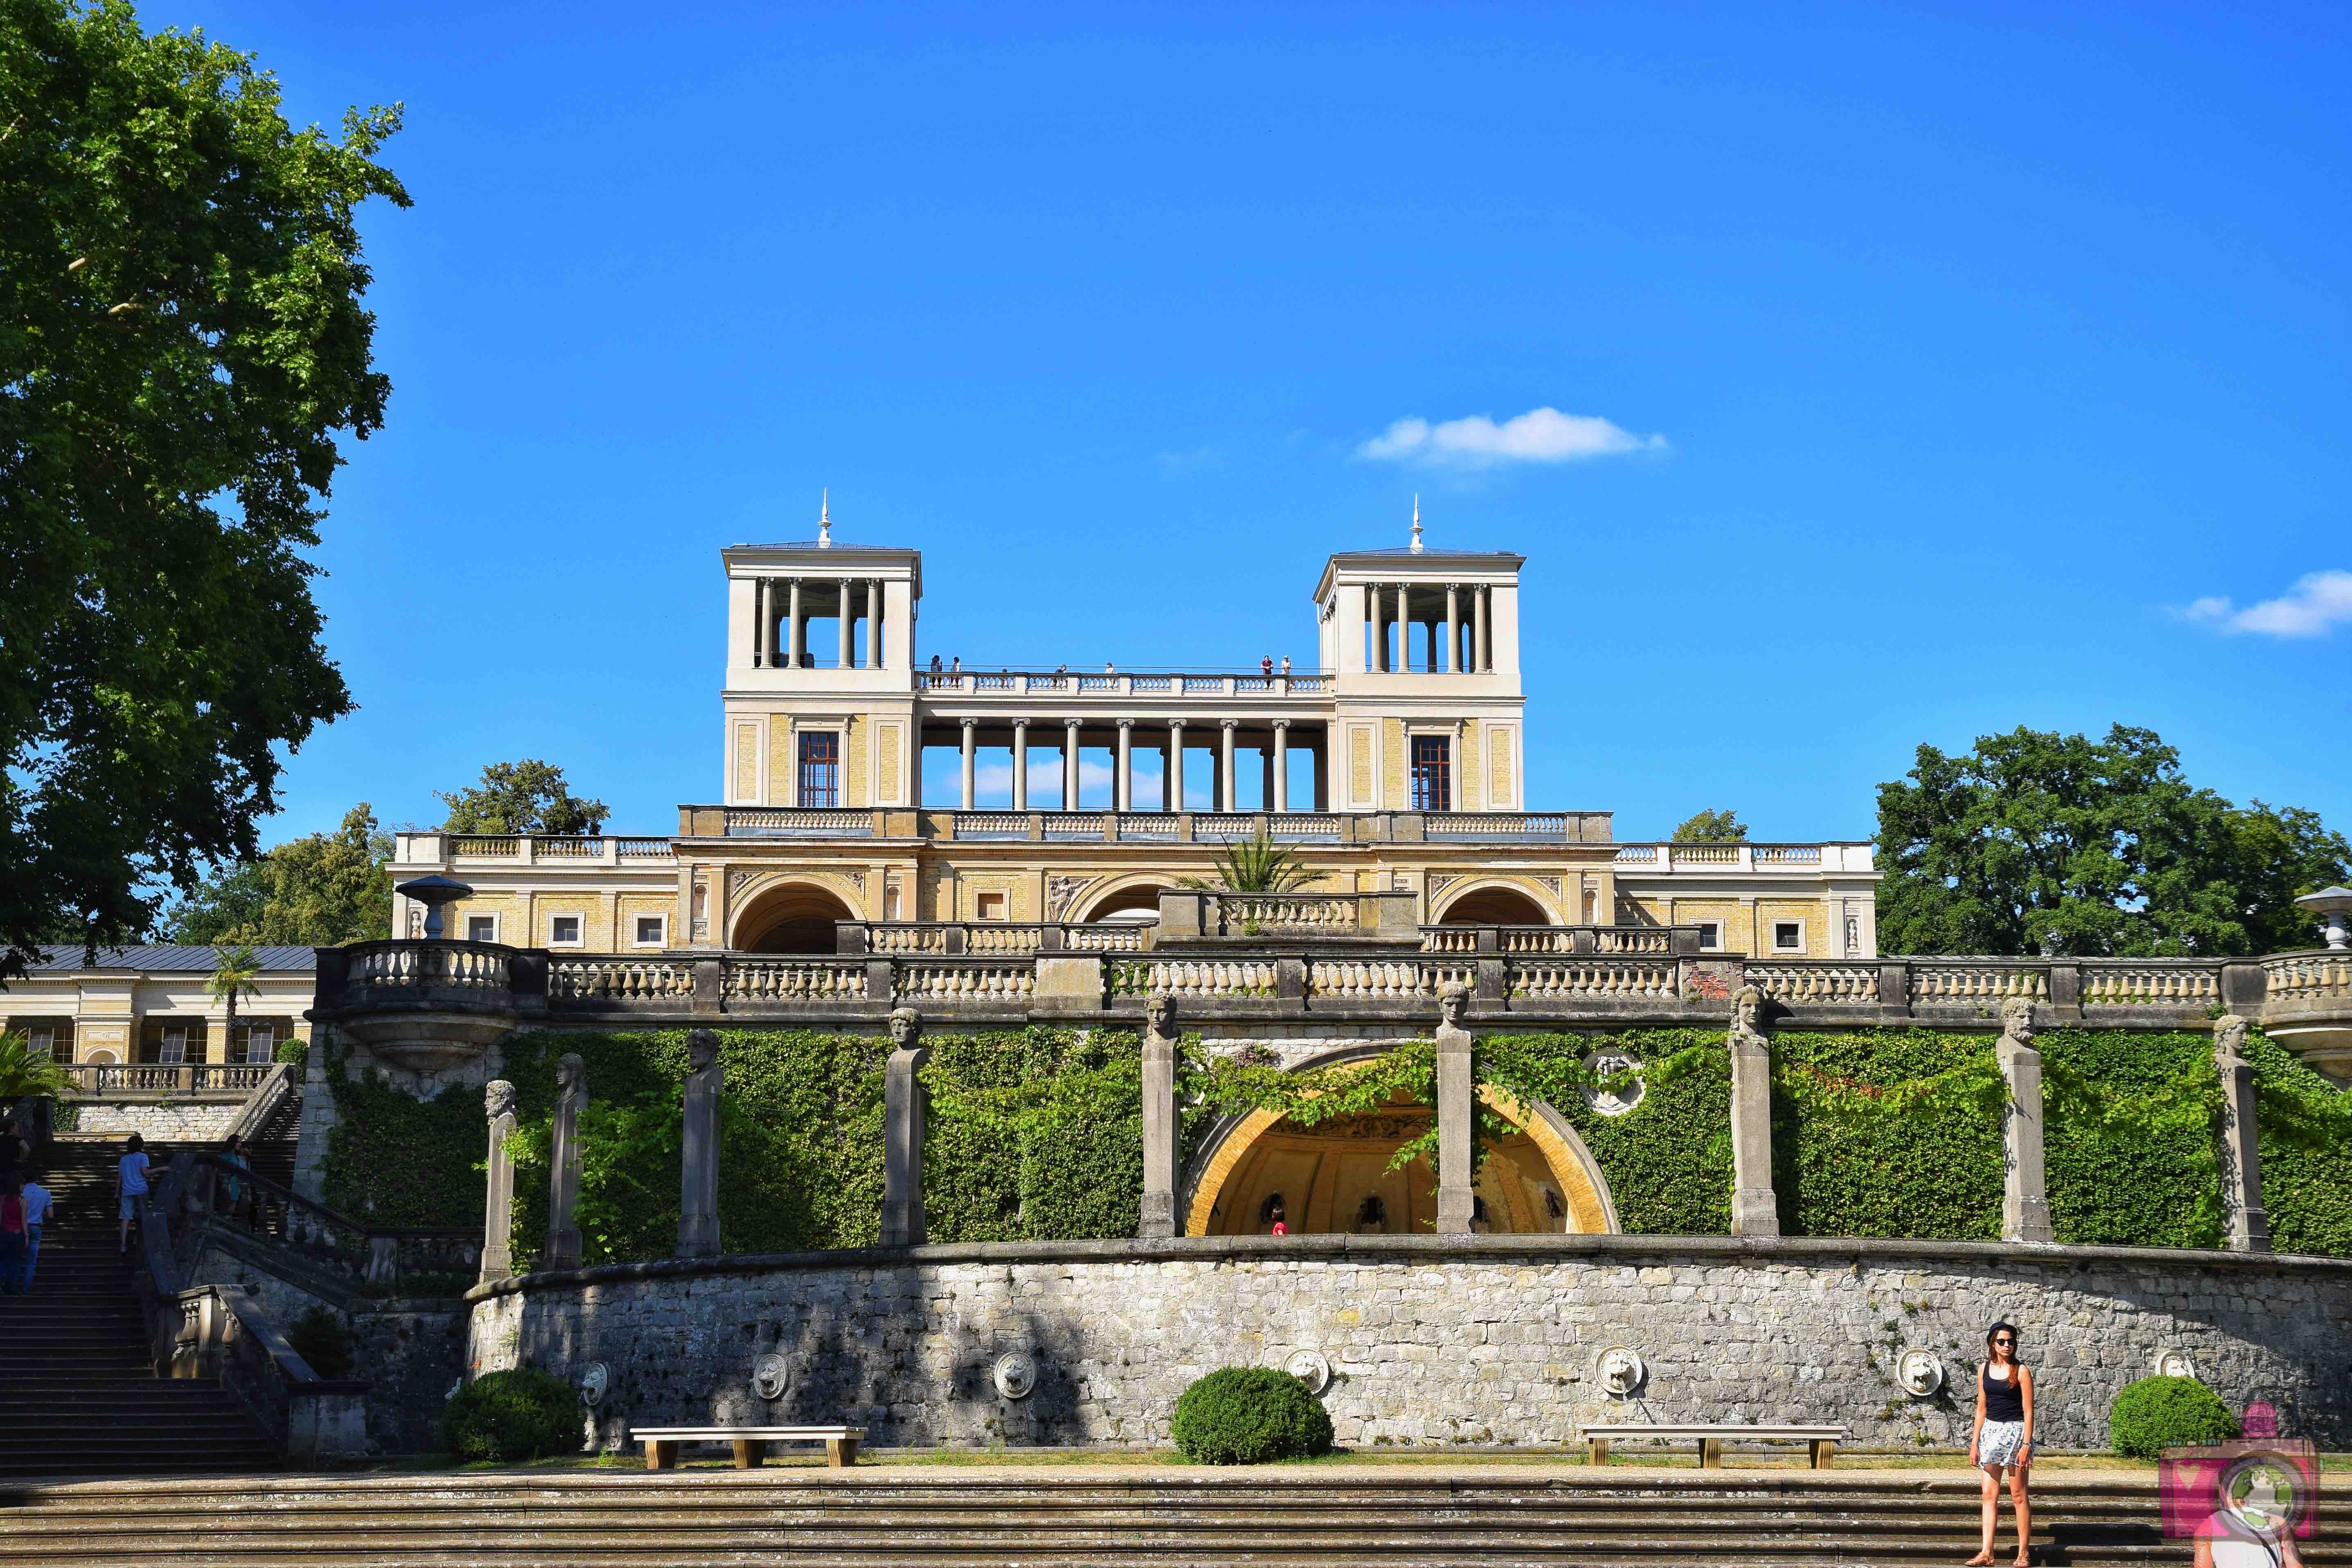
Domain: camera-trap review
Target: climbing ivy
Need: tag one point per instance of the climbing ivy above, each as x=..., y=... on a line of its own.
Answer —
x=2307, y=1151
x=1892, y=1133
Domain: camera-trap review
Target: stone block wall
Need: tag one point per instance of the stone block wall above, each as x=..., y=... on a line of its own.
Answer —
x=185, y=1123
x=1487, y=1341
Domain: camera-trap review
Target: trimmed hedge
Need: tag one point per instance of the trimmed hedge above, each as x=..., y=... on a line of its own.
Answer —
x=1930, y=1175
x=1247, y=1415
x=507, y=1416
x=2143, y=1189
x=2159, y=1413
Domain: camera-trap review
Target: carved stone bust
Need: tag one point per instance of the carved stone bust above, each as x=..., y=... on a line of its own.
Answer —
x=1747, y=1018
x=498, y=1097
x=906, y=1028
x=1160, y=1014
x=1453, y=1003
x=2229, y=1035
x=571, y=1073
x=2017, y=1021
x=701, y=1050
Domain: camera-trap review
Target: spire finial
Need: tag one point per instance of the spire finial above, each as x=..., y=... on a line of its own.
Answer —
x=1416, y=524
x=824, y=520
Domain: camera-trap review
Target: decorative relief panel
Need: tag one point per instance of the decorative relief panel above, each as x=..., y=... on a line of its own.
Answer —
x=1359, y=765
x=886, y=765
x=1059, y=894
x=746, y=764
x=1498, y=790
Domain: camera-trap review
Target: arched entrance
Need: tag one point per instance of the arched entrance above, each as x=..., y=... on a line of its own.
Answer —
x=1493, y=907
x=1334, y=1176
x=796, y=916
x=1136, y=903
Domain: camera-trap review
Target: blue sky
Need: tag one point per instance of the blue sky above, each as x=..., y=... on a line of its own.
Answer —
x=1963, y=361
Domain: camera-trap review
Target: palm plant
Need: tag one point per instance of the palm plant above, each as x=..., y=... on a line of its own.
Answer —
x=22, y=1073
x=235, y=977
x=1257, y=864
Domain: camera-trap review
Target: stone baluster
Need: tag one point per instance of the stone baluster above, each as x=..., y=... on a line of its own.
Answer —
x=1457, y=1205
x=2025, y=1198
x=1124, y=798
x=1021, y=765
x=1159, y=1124
x=847, y=618
x=903, y=1224
x=971, y=767
x=1225, y=728
x=1173, y=790
x=1280, y=799
x=563, y=1179
x=2246, y=1224
x=697, y=1216
x=1453, y=629
x=1755, y=1207
x=497, y=1210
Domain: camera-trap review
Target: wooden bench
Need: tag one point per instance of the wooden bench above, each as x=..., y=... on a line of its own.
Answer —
x=750, y=1443
x=1821, y=1440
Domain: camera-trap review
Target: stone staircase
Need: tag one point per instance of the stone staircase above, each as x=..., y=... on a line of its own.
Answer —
x=1281, y=1516
x=77, y=1390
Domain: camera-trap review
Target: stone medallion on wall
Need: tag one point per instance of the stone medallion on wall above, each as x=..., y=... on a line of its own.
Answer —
x=1619, y=1371
x=1921, y=1373
x=2170, y=1362
x=772, y=1374
x=1310, y=1367
x=1605, y=1062
x=1015, y=1375
x=594, y=1384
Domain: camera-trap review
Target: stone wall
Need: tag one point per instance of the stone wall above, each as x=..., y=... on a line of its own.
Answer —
x=1476, y=1340
x=188, y=1121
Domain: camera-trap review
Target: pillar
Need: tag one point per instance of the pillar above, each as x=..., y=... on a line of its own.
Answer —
x=1175, y=786
x=902, y=1132
x=796, y=640
x=1755, y=1207
x=1456, y=1203
x=1159, y=1124
x=563, y=1181
x=1225, y=728
x=2024, y=1200
x=1281, y=797
x=1123, y=796
x=2247, y=1226
x=759, y=621
x=847, y=661
x=970, y=780
x=1485, y=628
x=1069, y=765
x=1379, y=628
x=874, y=622
x=497, y=1210
x=1431, y=663
x=1021, y=765
x=1266, y=778
x=697, y=1210
x=1454, y=628
x=1404, y=631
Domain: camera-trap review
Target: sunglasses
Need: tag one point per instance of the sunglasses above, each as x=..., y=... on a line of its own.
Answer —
x=2003, y=1339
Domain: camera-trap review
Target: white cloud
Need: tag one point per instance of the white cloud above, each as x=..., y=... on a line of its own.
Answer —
x=2315, y=605
x=1538, y=436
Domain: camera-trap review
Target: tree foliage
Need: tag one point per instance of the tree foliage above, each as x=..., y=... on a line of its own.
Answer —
x=181, y=342
x=1712, y=827
x=2096, y=848
x=528, y=796
x=319, y=890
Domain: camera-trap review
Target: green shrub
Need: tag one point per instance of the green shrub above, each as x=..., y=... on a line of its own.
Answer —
x=1248, y=1414
x=321, y=1339
x=2159, y=1413
x=507, y=1416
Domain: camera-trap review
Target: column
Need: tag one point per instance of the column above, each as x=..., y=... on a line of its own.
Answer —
x=970, y=781
x=2246, y=1224
x=1281, y=796
x=563, y=1179
x=1123, y=799
x=1431, y=665
x=1485, y=654
x=1225, y=728
x=1021, y=765
x=874, y=622
x=1453, y=628
x=2024, y=1200
x=1379, y=649
x=1266, y=778
x=1069, y=765
x=847, y=661
x=1322, y=755
x=1404, y=632
x=759, y=621
x=1457, y=1205
x=1175, y=787
x=1159, y=1124
x=697, y=1209
x=797, y=642
x=903, y=1223
x=1755, y=1207
x=497, y=1210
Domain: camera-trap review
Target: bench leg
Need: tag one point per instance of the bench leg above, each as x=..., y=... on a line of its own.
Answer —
x=1824, y=1453
x=749, y=1452
x=840, y=1452
x=661, y=1454
x=1710, y=1453
x=1596, y=1450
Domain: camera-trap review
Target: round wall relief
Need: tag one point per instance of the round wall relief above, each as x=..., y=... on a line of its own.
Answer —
x=1605, y=1061
x=1311, y=1367
x=2174, y=1364
x=771, y=1376
x=1921, y=1373
x=1015, y=1373
x=595, y=1383
x=1619, y=1371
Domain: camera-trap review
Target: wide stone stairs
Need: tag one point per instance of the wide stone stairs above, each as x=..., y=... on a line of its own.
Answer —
x=940, y=1517
x=77, y=1390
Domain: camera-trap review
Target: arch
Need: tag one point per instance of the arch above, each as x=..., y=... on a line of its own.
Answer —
x=1562, y=1168
x=1493, y=903
x=1128, y=896
x=791, y=917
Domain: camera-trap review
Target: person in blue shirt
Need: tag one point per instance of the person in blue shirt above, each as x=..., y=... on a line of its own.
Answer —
x=37, y=1213
x=130, y=1183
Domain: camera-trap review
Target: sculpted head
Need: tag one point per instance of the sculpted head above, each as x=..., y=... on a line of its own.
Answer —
x=1747, y=1010
x=906, y=1028
x=570, y=1068
x=1162, y=1012
x=498, y=1097
x=2230, y=1034
x=1453, y=1002
x=2017, y=1019
x=701, y=1049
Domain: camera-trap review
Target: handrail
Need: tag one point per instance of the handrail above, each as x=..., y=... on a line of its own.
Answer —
x=100, y=1079
x=263, y=1103
x=367, y=1257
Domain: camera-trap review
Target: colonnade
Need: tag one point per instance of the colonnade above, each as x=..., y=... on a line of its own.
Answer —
x=1273, y=761
x=1468, y=622
x=782, y=607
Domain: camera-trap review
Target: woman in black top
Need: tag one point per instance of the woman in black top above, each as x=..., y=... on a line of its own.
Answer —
x=2003, y=1437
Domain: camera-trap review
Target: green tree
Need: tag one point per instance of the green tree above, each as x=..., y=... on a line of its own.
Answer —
x=319, y=890
x=528, y=796
x=2102, y=847
x=236, y=970
x=181, y=341
x=1712, y=827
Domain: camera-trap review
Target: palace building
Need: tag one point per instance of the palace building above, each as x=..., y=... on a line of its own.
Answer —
x=1398, y=765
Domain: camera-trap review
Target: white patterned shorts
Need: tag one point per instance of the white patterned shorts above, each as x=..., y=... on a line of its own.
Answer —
x=1999, y=1442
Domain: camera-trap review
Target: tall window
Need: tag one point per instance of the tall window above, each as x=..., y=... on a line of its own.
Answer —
x=260, y=1043
x=820, y=769
x=1432, y=773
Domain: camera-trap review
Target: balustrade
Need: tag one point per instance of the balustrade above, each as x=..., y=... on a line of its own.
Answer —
x=1596, y=978
x=414, y=965
x=1111, y=936
x=1278, y=914
x=766, y=822
x=1815, y=984
x=1978, y=984
x=1363, y=980
x=1302, y=827
x=991, y=824
x=794, y=980
x=2113, y=983
x=946, y=980
x=1067, y=826
x=1534, y=825
x=1148, y=827
x=617, y=980
x=2308, y=976
x=162, y=1078
x=1201, y=978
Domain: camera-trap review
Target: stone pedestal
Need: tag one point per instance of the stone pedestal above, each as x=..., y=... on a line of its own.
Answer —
x=1159, y=1127
x=1457, y=1205
x=497, y=1211
x=698, y=1218
x=563, y=1186
x=1755, y=1207
x=2024, y=1200
x=903, y=1223
x=2246, y=1225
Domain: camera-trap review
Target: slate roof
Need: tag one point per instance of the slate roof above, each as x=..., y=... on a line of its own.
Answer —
x=169, y=956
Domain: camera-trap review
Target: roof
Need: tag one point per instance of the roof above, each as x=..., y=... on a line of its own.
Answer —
x=172, y=956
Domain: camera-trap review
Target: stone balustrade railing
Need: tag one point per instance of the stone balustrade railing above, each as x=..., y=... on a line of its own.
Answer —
x=1147, y=683
x=1702, y=859
x=1107, y=827
x=166, y=1081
